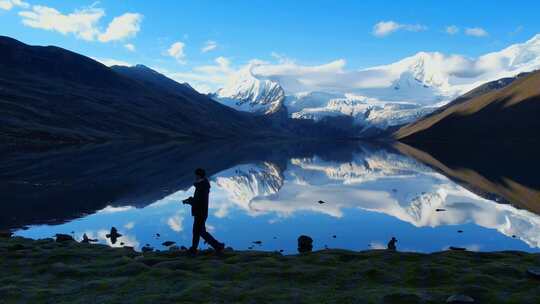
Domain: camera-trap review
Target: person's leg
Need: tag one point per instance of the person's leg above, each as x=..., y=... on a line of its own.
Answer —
x=198, y=228
x=209, y=238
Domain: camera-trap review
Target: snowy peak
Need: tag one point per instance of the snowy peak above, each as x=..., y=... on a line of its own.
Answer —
x=245, y=92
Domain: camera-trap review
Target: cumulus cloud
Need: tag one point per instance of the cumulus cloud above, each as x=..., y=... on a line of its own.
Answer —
x=452, y=30
x=122, y=27
x=82, y=23
x=176, y=50
x=130, y=47
x=384, y=28
x=205, y=78
x=209, y=46
x=9, y=4
x=476, y=32
x=446, y=75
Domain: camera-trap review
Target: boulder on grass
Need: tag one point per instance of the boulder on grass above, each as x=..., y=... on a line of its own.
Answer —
x=305, y=244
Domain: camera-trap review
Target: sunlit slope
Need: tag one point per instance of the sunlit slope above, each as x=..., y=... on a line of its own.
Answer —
x=510, y=113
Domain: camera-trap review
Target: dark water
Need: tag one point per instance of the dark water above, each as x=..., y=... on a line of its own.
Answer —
x=268, y=193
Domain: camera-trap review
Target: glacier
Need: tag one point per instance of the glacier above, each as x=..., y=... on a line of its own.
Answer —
x=381, y=96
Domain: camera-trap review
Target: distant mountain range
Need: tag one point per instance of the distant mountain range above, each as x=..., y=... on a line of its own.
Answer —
x=391, y=95
x=49, y=94
x=506, y=110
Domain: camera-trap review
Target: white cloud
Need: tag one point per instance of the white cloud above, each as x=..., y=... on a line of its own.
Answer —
x=176, y=50
x=122, y=27
x=83, y=23
x=111, y=62
x=209, y=46
x=384, y=28
x=452, y=29
x=201, y=82
x=130, y=47
x=476, y=32
x=449, y=73
x=205, y=78
x=129, y=225
x=9, y=4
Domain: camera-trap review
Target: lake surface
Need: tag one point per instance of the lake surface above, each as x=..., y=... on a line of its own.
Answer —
x=349, y=195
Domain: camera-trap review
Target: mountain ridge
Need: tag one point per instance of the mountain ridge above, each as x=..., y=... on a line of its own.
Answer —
x=48, y=94
x=504, y=113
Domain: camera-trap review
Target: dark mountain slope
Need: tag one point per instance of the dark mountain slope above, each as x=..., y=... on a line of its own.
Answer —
x=151, y=78
x=51, y=94
x=506, y=110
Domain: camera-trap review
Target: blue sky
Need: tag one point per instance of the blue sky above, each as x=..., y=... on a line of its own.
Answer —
x=306, y=32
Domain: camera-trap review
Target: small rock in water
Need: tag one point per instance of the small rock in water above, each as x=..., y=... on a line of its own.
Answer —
x=174, y=248
x=87, y=240
x=513, y=235
x=121, y=243
x=459, y=298
x=322, y=202
x=534, y=272
x=6, y=234
x=64, y=238
x=460, y=231
x=334, y=236
x=113, y=235
x=257, y=242
x=250, y=247
x=394, y=190
x=440, y=209
x=158, y=235
x=281, y=250
x=392, y=244
x=183, y=248
x=305, y=244
x=168, y=243
x=275, y=237
x=457, y=248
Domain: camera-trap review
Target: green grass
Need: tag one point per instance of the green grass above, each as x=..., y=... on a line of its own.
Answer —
x=48, y=272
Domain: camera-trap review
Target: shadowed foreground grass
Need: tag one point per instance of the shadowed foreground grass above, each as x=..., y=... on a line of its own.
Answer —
x=45, y=271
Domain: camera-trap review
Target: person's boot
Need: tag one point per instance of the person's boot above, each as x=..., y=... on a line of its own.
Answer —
x=219, y=248
x=192, y=251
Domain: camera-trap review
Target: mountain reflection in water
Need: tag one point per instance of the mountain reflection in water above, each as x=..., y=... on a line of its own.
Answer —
x=266, y=192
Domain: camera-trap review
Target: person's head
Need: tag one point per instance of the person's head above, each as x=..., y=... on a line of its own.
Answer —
x=200, y=173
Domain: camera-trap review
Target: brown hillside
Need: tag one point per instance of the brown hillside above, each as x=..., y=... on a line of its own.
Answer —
x=509, y=114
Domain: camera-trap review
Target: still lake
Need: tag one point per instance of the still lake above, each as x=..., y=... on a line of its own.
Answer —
x=350, y=195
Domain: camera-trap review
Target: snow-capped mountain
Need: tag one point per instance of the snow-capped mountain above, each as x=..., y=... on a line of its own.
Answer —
x=381, y=96
x=245, y=92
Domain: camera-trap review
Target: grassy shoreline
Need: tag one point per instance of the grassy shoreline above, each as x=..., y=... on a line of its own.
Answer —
x=45, y=271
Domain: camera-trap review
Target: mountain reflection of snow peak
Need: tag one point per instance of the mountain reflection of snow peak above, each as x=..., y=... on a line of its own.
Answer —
x=368, y=193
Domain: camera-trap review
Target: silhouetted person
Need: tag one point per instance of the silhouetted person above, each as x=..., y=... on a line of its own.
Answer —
x=392, y=244
x=199, y=211
x=114, y=235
